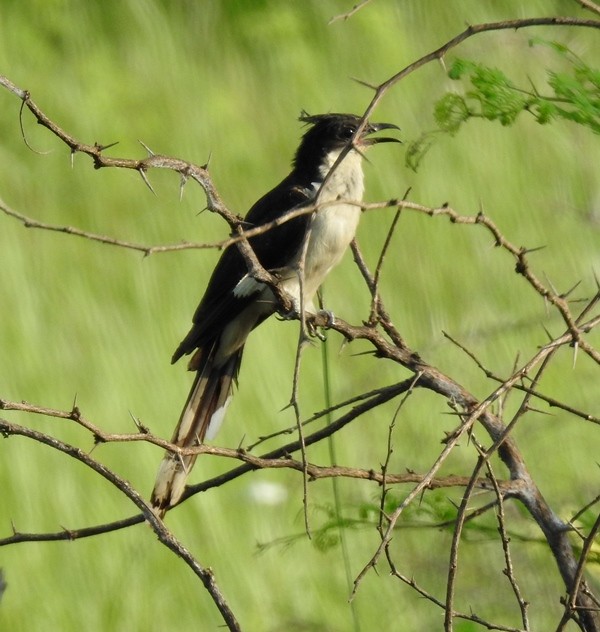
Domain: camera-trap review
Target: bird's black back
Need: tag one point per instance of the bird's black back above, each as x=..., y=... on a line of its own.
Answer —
x=274, y=248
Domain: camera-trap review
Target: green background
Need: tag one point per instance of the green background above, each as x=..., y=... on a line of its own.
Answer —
x=227, y=81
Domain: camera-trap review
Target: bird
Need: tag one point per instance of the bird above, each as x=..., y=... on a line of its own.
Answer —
x=326, y=175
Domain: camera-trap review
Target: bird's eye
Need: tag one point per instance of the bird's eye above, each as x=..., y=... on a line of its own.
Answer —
x=347, y=132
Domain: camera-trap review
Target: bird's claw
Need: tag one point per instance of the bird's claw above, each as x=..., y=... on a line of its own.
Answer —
x=292, y=314
x=328, y=316
x=324, y=319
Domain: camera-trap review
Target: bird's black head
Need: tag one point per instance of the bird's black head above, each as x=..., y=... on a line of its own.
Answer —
x=332, y=132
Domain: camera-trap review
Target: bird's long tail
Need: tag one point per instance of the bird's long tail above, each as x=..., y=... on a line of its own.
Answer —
x=200, y=419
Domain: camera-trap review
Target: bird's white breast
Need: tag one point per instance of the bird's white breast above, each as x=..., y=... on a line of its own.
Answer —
x=332, y=227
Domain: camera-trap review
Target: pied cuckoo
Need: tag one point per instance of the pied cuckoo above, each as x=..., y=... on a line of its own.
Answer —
x=234, y=303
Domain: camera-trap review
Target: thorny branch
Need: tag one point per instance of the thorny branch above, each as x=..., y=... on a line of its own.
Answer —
x=590, y=5
x=509, y=570
x=165, y=536
x=386, y=342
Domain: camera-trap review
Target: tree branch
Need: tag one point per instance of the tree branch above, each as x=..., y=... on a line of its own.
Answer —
x=164, y=535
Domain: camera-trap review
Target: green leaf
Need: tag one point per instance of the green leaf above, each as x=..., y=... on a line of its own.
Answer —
x=572, y=94
x=544, y=111
x=450, y=112
x=459, y=67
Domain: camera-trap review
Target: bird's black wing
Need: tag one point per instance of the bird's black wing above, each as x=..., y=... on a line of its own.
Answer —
x=274, y=249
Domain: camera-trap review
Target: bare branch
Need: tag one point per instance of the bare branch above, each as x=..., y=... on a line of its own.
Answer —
x=470, y=31
x=346, y=16
x=164, y=535
x=590, y=5
x=509, y=570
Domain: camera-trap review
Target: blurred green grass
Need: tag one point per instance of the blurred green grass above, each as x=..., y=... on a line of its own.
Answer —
x=95, y=323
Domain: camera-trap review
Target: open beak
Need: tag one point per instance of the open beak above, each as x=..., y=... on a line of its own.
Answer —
x=371, y=128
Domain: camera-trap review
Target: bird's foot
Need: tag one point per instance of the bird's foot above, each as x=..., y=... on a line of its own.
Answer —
x=327, y=316
x=323, y=319
x=292, y=314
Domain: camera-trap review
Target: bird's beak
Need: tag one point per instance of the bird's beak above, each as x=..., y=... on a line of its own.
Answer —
x=371, y=128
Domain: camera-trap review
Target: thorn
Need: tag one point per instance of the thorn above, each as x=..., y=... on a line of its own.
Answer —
x=100, y=147
x=526, y=378
x=366, y=84
x=597, y=280
x=343, y=345
x=143, y=144
x=454, y=413
x=290, y=404
x=566, y=294
x=575, y=348
x=142, y=172
x=516, y=362
x=68, y=532
x=75, y=412
x=453, y=503
x=370, y=352
x=540, y=411
x=183, y=465
x=546, y=306
x=528, y=251
x=205, y=165
x=72, y=158
x=138, y=424
x=182, y=183
x=554, y=290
